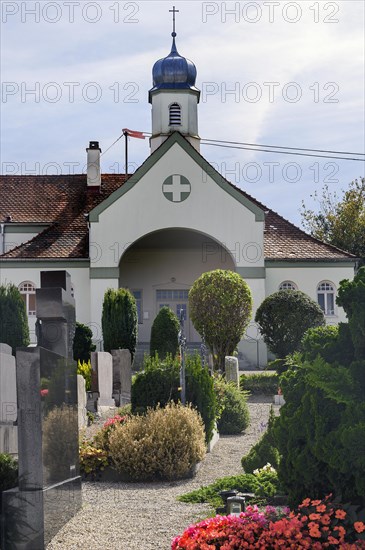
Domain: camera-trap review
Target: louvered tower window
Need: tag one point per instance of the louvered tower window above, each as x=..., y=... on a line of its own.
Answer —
x=175, y=114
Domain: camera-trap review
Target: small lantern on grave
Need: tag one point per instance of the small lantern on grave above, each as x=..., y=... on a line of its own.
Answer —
x=236, y=505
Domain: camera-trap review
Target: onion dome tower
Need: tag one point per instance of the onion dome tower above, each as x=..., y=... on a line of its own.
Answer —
x=174, y=97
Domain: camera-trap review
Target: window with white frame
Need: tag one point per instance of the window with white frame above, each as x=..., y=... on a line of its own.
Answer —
x=27, y=290
x=288, y=285
x=175, y=114
x=326, y=297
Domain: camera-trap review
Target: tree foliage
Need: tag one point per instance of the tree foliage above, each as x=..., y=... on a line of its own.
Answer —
x=320, y=433
x=82, y=345
x=284, y=317
x=339, y=221
x=220, y=304
x=119, y=320
x=351, y=296
x=164, y=333
x=14, y=329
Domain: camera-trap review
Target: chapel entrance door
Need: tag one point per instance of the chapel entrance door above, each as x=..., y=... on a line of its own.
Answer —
x=177, y=300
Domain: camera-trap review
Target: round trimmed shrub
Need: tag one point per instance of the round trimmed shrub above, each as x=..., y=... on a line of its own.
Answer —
x=164, y=333
x=164, y=444
x=235, y=416
x=220, y=304
x=284, y=317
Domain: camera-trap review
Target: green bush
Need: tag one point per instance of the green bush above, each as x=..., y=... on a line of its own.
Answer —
x=264, y=452
x=82, y=344
x=8, y=472
x=119, y=320
x=159, y=384
x=235, y=416
x=260, y=384
x=284, y=317
x=220, y=304
x=351, y=296
x=85, y=369
x=264, y=484
x=164, y=333
x=8, y=480
x=164, y=444
x=14, y=329
x=200, y=392
x=320, y=433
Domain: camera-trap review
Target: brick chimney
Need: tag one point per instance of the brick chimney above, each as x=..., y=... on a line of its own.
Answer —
x=93, y=166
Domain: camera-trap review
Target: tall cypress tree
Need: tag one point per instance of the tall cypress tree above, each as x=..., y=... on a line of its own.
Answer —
x=119, y=320
x=14, y=329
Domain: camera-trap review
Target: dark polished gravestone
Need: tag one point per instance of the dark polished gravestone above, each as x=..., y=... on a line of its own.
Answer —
x=49, y=492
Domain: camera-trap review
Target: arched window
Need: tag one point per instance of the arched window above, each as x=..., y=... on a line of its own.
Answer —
x=288, y=285
x=326, y=297
x=27, y=290
x=175, y=114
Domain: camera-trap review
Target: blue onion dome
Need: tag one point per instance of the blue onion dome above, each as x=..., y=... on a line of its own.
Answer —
x=174, y=72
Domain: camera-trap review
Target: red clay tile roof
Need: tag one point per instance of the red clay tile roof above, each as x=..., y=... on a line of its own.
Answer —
x=62, y=202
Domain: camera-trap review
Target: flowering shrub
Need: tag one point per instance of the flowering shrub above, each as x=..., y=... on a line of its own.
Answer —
x=101, y=439
x=318, y=524
x=332, y=523
x=267, y=469
x=84, y=368
x=92, y=459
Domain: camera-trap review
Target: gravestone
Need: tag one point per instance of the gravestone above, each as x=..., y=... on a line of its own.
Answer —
x=122, y=375
x=49, y=492
x=102, y=381
x=231, y=370
x=8, y=402
x=81, y=402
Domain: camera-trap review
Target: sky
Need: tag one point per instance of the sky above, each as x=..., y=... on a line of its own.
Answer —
x=270, y=73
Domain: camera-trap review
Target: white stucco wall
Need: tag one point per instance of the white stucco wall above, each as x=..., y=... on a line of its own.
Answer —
x=209, y=210
x=188, y=102
x=307, y=280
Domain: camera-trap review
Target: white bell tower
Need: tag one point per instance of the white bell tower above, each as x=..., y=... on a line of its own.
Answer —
x=174, y=97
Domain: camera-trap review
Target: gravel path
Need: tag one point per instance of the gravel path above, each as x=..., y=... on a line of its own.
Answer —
x=146, y=516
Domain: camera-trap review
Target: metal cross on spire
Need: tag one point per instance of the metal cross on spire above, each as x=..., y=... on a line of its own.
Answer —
x=173, y=11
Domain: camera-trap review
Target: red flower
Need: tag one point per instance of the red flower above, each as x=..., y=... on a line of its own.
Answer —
x=359, y=526
x=325, y=519
x=340, y=514
x=321, y=508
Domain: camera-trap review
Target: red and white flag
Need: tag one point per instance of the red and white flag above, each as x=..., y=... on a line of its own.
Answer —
x=133, y=133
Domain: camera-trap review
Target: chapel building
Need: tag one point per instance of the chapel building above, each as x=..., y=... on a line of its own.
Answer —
x=157, y=230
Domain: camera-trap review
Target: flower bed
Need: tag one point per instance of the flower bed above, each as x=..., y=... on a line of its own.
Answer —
x=318, y=524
